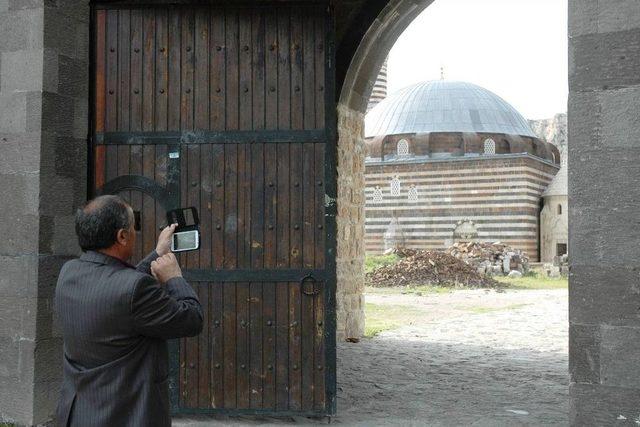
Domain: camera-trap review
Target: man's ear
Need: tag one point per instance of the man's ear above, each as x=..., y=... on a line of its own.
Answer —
x=122, y=236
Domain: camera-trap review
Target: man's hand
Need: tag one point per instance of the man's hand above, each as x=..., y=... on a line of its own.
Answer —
x=166, y=268
x=164, y=240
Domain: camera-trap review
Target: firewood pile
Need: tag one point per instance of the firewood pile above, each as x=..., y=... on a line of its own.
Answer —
x=491, y=258
x=418, y=267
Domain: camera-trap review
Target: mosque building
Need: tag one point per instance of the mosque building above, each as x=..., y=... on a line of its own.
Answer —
x=450, y=161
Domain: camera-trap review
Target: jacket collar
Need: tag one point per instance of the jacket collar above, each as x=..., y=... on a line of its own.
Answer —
x=100, y=258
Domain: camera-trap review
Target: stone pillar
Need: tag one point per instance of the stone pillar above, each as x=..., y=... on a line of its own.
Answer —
x=43, y=129
x=604, y=206
x=350, y=223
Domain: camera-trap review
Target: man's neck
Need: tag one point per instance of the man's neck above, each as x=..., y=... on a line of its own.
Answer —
x=113, y=252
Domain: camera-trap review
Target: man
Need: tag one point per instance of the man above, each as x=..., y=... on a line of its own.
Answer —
x=116, y=319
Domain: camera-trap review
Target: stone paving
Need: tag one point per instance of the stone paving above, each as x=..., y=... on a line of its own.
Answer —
x=456, y=366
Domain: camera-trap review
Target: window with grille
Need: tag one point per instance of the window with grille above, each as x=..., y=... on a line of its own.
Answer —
x=377, y=194
x=403, y=147
x=413, y=194
x=489, y=146
x=395, y=186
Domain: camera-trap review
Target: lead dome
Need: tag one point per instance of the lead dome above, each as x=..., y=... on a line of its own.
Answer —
x=445, y=106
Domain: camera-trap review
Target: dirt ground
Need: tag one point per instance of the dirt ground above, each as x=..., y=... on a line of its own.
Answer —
x=469, y=358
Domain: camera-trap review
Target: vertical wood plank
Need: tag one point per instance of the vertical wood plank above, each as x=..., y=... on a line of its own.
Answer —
x=282, y=346
x=174, y=73
x=111, y=110
x=206, y=206
x=230, y=331
x=232, y=69
x=295, y=361
x=136, y=168
x=258, y=60
x=319, y=205
x=148, y=215
x=269, y=345
x=136, y=71
x=297, y=69
x=255, y=344
x=100, y=94
x=162, y=70
x=218, y=207
x=319, y=398
x=148, y=67
x=204, y=354
x=218, y=70
x=242, y=344
x=245, y=55
x=201, y=86
x=124, y=70
x=321, y=63
x=187, y=69
x=271, y=69
x=217, y=346
x=309, y=75
x=284, y=69
x=100, y=58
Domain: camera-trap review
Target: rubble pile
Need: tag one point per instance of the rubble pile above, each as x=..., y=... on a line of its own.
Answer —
x=559, y=267
x=491, y=258
x=417, y=267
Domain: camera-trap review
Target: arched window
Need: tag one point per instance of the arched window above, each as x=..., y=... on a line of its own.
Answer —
x=395, y=186
x=489, y=146
x=413, y=194
x=377, y=194
x=403, y=148
x=559, y=209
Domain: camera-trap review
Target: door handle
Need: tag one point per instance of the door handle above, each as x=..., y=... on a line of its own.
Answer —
x=308, y=285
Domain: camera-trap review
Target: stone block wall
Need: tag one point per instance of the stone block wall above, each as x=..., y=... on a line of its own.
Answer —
x=350, y=224
x=604, y=201
x=43, y=130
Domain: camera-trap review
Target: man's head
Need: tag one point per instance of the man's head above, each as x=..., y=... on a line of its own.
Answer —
x=106, y=224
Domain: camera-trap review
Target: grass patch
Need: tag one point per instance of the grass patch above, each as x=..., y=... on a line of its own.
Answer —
x=534, y=280
x=383, y=317
x=483, y=310
x=373, y=262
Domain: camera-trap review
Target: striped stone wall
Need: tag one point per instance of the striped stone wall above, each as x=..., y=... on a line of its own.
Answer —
x=498, y=196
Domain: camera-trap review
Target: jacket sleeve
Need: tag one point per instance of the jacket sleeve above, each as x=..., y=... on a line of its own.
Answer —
x=144, y=266
x=170, y=311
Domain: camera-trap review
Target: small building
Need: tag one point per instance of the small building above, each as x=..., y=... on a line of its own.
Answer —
x=451, y=161
x=554, y=218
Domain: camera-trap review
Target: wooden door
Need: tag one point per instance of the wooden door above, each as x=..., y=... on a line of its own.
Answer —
x=230, y=110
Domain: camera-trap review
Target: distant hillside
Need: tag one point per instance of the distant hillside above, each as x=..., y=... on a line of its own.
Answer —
x=553, y=130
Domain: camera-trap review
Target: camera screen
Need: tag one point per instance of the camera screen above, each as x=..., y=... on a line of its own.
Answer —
x=186, y=240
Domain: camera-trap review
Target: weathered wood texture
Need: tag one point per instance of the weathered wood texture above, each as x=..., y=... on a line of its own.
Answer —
x=261, y=204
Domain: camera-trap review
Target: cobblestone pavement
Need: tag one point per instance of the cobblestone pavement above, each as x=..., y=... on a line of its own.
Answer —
x=457, y=365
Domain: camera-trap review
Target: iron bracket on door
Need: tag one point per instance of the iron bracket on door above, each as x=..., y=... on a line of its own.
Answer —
x=307, y=280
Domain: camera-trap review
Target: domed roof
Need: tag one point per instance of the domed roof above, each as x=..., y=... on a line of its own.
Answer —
x=559, y=184
x=445, y=106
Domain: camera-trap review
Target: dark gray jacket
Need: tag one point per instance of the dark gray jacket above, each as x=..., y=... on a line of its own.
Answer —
x=115, y=321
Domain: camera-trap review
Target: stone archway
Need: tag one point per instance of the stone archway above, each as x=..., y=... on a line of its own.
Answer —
x=360, y=55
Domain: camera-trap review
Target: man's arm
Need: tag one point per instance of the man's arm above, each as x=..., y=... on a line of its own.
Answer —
x=172, y=311
x=144, y=266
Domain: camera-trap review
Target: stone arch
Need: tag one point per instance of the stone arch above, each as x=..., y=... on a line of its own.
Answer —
x=361, y=51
